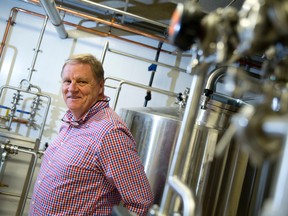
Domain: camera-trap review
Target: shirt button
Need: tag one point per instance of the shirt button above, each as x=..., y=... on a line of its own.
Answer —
x=33, y=203
x=39, y=182
x=49, y=162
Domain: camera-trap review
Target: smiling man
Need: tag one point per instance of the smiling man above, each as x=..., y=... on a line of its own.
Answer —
x=93, y=164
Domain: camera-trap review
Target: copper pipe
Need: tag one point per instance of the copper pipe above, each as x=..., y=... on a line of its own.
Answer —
x=104, y=34
x=9, y=23
x=108, y=23
x=15, y=119
x=12, y=16
x=112, y=24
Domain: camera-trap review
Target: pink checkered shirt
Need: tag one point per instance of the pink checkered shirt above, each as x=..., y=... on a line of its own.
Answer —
x=91, y=166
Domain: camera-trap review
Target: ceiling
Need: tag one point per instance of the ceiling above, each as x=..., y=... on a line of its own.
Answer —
x=151, y=16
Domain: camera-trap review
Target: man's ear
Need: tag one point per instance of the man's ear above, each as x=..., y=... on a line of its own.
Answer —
x=101, y=89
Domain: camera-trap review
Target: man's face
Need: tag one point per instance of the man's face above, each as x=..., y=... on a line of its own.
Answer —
x=80, y=89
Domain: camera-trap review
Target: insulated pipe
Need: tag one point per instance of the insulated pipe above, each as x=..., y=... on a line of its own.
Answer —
x=51, y=10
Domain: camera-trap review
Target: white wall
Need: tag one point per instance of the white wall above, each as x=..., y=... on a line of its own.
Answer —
x=18, y=56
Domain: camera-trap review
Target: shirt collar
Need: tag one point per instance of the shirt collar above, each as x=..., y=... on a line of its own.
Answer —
x=99, y=105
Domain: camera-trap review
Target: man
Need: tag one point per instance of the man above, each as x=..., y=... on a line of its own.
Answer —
x=92, y=165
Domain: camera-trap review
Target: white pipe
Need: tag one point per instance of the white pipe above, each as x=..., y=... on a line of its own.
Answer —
x=50, y=9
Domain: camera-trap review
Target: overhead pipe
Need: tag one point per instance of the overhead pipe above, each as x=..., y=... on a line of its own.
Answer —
x=147, y=60
x=50, y=9
x=125, y=9
x=126, y=13
x=109, y=34
x=89, y=30
x=108, y=23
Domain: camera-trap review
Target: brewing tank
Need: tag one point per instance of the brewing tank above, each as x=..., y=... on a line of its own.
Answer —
x=155, y=130
x=218, y=183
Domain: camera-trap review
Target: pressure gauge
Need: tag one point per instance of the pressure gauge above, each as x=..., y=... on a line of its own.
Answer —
x=24, y=84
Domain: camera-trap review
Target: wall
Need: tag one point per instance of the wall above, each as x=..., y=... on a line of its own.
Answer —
x=18, y=57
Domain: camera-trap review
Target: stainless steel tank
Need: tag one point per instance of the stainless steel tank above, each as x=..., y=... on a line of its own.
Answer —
x=223, y=185
x=155, y=131
x=217, y=182
x=220, y=184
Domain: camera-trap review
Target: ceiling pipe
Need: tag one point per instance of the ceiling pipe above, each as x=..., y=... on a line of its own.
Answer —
x=50, y=9
x=108, y=23
x=15, y=10
x=126, y=13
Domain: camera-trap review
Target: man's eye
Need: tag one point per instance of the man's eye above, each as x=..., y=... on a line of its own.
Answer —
x=82, y=82
x=66, y=82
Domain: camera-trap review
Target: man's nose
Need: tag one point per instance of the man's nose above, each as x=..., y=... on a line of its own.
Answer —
x=73, y=86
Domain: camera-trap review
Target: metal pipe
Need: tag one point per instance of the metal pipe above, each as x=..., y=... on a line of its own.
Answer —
x=115, y=25
x=9, y=23
x=126, y=14
x=122, y=82
x=50, y=9
x=29, y=176
x=109, y=34
x=125, y=9
x=109, y=23
x=104, y=52
x=148, y=93
x=214, y=77
x=277, y=203
x=184, y=137
x=37, y=49
x=188, y=198
x=147, y=60
x=93, y=31
x=12, y=194
x=33, y=93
